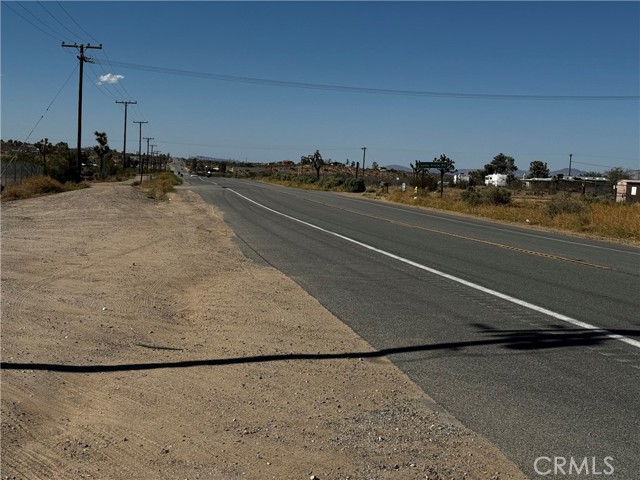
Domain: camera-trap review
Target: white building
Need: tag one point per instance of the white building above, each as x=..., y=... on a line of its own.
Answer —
x=496, y=179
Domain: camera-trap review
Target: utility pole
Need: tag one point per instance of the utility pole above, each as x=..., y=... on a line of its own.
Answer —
x=124, y=149
x=570, y=155
x=148, y=162
x=153, y=158
x=147, y=139
x=140, y=148
x=82, y=59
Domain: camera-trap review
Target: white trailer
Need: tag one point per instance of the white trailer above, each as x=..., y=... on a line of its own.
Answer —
x=496, y=179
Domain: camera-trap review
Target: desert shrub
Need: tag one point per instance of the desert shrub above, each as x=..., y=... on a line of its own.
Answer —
x=564, y=203
x=160, y=185
x=306, y=179
x=39, y=186
x=62, y=169
x=281, y=176
x=486, y=196
x=43, y=185
x=598, y=200
x=331, y=182
x=497, y=196
x=354, y=185
x=471, y=196
x=171, y=177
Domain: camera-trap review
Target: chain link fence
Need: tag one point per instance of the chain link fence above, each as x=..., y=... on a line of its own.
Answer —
x=15, y=171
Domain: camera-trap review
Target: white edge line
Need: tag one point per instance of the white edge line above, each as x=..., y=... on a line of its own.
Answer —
x=508, y=298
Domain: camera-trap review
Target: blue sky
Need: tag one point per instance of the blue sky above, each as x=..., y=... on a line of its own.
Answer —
x=532, y=49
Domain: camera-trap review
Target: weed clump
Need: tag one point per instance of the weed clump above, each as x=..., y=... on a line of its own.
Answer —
x=160, y=185
x=39, y=186
x=354, y=185
x=486, y=196
x=564, y=203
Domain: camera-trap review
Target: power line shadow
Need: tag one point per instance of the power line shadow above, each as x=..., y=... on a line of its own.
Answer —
x=509, y=339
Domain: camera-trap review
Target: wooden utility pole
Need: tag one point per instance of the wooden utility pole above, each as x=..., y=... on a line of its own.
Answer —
x=140, y=164
x=153, y=158
x=82, y=59
x=147, y=161
x=124, y=148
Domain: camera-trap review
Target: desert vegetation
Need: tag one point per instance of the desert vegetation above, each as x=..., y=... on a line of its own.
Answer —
x=572, y=212
x=38, y=186
x=159, y=185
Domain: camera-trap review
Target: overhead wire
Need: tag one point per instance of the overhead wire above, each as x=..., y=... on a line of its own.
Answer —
x=118, y=87
x=137, y=111
x=8, y=5
x=77, y=24
x=106, y=89
x=43, y=115
x=593, y=164
x=365, y=90
x=56, y=19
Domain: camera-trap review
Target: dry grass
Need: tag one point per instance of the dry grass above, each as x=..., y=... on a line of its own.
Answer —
x=37, y=187
x=160, y=185
x=597, y=218
x=571, y=213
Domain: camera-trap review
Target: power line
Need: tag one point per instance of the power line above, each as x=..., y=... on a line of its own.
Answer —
x=121, y=90
x=77, y=24
x=7, y=4
x=594, y=164
x=56, y=19
x=81, y=48
x=115, y=86
x=59, y=36
x=42, y=116
x=108, y=93
x=366, y=90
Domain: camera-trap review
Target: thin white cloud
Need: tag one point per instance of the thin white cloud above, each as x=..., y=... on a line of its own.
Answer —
x=110, y=78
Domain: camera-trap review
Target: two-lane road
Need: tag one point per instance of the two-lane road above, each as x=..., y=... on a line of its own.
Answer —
x=529, y=338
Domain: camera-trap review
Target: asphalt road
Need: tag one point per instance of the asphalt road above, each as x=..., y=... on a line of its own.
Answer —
x=530, y=338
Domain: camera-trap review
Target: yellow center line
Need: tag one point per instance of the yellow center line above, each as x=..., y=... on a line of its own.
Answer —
x=464, y=237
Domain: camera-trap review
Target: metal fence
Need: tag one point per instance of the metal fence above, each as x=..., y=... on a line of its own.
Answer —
x=585, y=187
x=14, y=172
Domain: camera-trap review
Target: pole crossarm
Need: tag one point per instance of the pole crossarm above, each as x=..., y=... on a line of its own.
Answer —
x=124, y=148
x=82, y=58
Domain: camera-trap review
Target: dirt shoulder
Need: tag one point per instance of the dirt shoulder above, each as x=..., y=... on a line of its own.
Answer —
x=163, y=353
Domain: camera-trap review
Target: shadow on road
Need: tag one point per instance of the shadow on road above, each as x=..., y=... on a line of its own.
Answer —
x=509, y=339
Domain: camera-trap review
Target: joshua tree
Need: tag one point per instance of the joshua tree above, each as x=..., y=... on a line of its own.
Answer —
x=102, y=149
x=44, y=147
x=315, y=160
x=450, y=166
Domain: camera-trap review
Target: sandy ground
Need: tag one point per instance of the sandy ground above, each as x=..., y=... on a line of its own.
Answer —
x=139, y=343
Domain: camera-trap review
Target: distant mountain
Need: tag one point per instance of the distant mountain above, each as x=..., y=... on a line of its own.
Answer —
x=211, y=159
x=565, y=171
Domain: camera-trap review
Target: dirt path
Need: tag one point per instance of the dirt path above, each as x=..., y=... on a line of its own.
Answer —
x=165, y=356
